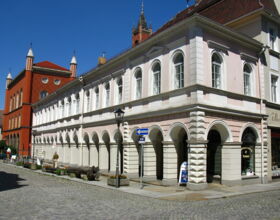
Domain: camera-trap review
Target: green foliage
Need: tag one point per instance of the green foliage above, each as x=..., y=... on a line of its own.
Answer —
x=13, y=150
x=3, y=146
x=19, y=163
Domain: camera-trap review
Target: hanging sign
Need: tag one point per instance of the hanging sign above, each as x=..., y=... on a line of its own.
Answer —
x=183, y=178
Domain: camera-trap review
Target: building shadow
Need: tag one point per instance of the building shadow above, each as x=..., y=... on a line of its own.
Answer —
x=9, y=181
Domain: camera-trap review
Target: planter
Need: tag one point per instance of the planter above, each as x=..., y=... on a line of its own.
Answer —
x=33, y=166
x=113, y=182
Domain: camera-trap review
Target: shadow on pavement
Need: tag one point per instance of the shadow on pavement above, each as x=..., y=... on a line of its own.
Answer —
x=9, y=181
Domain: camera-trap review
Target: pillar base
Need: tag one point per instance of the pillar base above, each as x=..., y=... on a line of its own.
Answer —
x=197, y=186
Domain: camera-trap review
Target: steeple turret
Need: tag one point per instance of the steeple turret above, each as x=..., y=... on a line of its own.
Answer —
x=73, y=66
x=142, y=31
x=29, y=60
x=8, y=79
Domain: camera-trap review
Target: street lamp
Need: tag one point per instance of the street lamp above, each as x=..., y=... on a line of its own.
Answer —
x=119, y=119
x=34, y=132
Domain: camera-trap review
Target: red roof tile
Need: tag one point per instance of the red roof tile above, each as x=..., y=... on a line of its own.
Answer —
x=47, y=64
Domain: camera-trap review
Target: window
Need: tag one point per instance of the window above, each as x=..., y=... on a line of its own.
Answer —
x=43, y=94
x=45, y=80
x=274, y=82
x=120, y=90
x=17, y=100
x=96, y=98
x=20, y=98
x=107, y=94
x=247, y=71
x=77, y=103
x=11, y=104
x=272, y=39
x=216, y=71
x=179, y=70
x=87, y=101
x=62, y=109
x=156, y=78
x=138, y=80
x=56, y=82
x=69, y=106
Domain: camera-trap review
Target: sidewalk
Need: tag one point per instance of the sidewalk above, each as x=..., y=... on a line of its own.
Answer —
x=176, y=193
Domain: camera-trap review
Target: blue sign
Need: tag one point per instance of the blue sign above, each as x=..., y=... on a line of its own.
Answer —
x=183, y=179
x=142, y=131
x=141, y=140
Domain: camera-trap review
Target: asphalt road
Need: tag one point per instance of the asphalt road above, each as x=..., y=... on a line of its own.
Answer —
x=28, y=195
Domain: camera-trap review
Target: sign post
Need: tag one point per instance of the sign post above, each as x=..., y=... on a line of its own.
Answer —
x=141, y=132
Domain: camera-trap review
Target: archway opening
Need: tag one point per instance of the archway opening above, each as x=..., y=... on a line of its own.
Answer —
x=248, y=152
x=213, y=156
x=96, y=152
x=156, y=138
x=135, y=139
x=180, y=137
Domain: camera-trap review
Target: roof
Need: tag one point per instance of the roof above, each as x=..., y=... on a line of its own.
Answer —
x=222, y=11
x=49, y=65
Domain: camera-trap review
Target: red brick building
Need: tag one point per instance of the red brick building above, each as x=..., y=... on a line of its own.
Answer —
x=33, y=83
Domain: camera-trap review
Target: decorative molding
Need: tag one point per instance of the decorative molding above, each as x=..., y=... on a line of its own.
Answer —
x=248, y=57
x=218, y=46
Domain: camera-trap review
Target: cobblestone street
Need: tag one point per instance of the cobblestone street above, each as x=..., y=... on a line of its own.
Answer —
x=28, y=195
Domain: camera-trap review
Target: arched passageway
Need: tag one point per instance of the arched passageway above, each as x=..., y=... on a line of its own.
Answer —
x=179, y=137
x=95, y=151
x=213, y=156
x=135, y=139
x=156, y=138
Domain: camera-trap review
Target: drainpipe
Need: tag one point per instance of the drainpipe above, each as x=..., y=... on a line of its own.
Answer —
x=261, y=106
x=81, y=79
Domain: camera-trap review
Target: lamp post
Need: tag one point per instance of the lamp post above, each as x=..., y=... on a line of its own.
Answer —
x=119, y=119
x=34, y=132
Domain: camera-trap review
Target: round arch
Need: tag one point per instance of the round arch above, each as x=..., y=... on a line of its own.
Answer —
x=254, y=129
x=222, y=128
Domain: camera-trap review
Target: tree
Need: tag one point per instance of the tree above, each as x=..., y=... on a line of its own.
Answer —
x=3, y=146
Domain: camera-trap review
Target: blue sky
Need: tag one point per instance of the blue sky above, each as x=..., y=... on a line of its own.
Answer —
x=58, y=27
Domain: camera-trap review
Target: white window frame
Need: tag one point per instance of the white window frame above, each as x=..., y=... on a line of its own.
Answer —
x=107, y=94
x=274, y=97
x=273, y=44
x=138, y=83
x=119, y=90
x=249, y=91
x=179, y=82
x=156, y=78
x=97, y=94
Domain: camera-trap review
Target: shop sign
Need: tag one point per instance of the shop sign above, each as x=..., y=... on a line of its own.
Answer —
x=246, y=152
x=183, y=178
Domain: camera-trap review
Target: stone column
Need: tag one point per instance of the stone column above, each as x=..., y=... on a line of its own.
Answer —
x=261, y=162
x=231, y=164
x=149, y=161
x=197, y=165
x=170, y=161
x=103, y=157
x=131, y=159
x=113, y=157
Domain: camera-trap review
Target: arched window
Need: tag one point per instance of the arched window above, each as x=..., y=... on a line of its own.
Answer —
x=138, y=82
x=69, y=106
x=87, y=100
x=43, y=94
x=156, y=78
x=247, y=72
x=62, y=109
x=96, y=97
x=20, y=98
x=119, y=90
x=107, y=94
x=216, y=71
x=178, y=62
x=77, y=96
